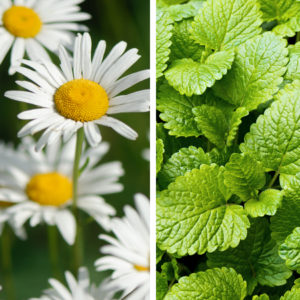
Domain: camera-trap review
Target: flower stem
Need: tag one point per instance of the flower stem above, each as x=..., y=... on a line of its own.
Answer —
x=53, y=253
x=78, y=240
x=273, y=179
x=7, y=264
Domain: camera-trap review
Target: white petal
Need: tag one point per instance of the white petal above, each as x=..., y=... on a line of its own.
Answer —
x=92, y=133
x=17, y=53
x=35, y=89
x=65, y=63
x=67, y=225
x=11, y=195
x=97, y=59
x=6, y=40
x=83, y=278
x=66, y=26
x=77, y=57
x=60, y=289
x=28, y=97
x=130, y=98
x=33, y=47
x=86, y=55
x=141, y=106
x=35, y=113
x=72, y=283
x=67, y=18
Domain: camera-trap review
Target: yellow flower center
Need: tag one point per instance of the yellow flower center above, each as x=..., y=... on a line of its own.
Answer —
x=5, y=204
x=49, y=189
x=22, y=22
x=141, y=268
x=81, y=100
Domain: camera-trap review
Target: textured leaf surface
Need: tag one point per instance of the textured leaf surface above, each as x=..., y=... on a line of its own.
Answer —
x=275, y=138
x=212, y=123
x=178, y=12
x=168, y=271
x=290, y=250
x=161, y=286
x=212, y=284
x=222, y=156
x=255, y=258
x=189, y=77
x=281, y=10
x=287, y=217
x=183, y=46
x=163, y=35
x=267, y=204
x=193, y=215
x=225, y=24
x=293, y=67
x=261, y=297
x=255, y=73
x=159, y=254
x=294, y=294
x=159, y=154
x=244, y=176
x=181, y=162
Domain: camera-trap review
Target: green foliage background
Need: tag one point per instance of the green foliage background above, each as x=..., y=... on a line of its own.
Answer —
x=113, y=21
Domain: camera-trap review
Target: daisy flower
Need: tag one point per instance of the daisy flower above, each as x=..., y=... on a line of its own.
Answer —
x=80, y=96
x=79, y=290
x=31, y=25
x=129, y=254
x=40, y=185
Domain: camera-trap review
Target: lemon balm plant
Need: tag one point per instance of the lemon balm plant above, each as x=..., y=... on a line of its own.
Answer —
x=228, y=150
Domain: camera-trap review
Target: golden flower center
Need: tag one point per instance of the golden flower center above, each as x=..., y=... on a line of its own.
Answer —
x=22, y=22
x=141, y=268
x=81, y=100
x=49, y=189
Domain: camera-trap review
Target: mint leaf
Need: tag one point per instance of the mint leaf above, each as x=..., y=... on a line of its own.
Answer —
x=181, y=162
x=287, y=217
x=294, y=294
x=223, y=24
x=255, y=73
x=163, y=35
x=222, y=156
x=161, y=286
x=267, y=204
x=256, y=258
x=290, y=250
x=274, y=139
x=159, y=154
x=178, y=12
x=212, y=284
x=280, y=10
x=183, y=46
x=189, y=77
x=244, y=176
x=261, y=297
x=293, y=67
x=159, y=254
x=168, y=271
x=193, y=215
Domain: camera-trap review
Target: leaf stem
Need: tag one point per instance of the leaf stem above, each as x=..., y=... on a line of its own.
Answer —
x=172, y=282
x=236, y=140
x=208, y=145
x=78, y=241
x=53, y=252
x=7, y=264
x=273, y=180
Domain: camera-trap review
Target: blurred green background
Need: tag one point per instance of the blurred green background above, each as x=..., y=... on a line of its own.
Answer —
x=113, y=21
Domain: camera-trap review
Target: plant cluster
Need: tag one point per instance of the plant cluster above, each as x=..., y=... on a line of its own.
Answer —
x=228, y=149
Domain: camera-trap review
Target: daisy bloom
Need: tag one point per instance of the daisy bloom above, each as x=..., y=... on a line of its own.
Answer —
x=79, y=290
x=129, y=254
x=31, y=25
x=40, y=185
x=80, y=96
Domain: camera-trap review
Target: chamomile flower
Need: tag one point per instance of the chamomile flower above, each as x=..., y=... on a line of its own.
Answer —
x=40, y=185
x=80, y=96
x=31, y=25
x=129, y=254
x=79, y=290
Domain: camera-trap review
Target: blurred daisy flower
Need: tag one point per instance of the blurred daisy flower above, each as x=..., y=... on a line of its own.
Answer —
x=31, y=25
x=80, y=96
x=129, y=254
x=79, y=290
x=41, y=185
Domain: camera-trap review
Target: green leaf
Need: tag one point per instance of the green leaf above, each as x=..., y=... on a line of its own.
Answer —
x=293, y=67
x=159, y=254
x=294, y=294
x=181, y=162
x=168, y=271
x=290, y=250
x=163, y=35
x=193, y=215
x=255, y=73
x=256, y=258
x=159, y=154
x=287, y=217
x=161, y=286
x=178, y=12
x=267, y=204
x=172, y=2
x=280, y=10
x=222, y=156
x=212, y=284
x=183, y=46
x=223, y=24
x=212, y=123
x=189, y=77
x=244, y=176
x=274, y=139
x=261, y=297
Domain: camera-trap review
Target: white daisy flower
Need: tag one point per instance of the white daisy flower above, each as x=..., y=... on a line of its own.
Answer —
x=129, y=254
x=41, y=185
x=79, y=290
x=82, y=96
x=31, y=25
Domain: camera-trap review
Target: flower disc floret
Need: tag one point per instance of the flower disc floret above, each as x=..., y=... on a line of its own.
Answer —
x=22, y=22
x=49, y=189
x=81, y=100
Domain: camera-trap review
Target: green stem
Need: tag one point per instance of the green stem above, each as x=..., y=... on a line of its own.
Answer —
x=53, y=253
x=273, y=179
x=236, y=141
x=208, y=145
x=7, y=264
x=78, y=240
